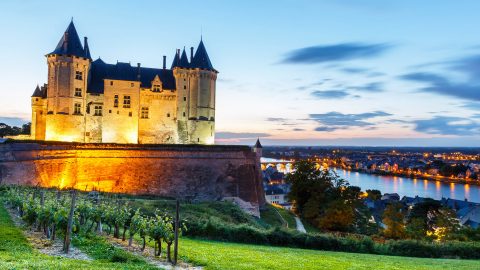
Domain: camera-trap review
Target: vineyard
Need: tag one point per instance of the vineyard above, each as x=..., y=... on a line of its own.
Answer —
x=71, y=213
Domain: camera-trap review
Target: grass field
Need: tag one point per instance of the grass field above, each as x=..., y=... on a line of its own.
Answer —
x=16, y=253
x=219, y=255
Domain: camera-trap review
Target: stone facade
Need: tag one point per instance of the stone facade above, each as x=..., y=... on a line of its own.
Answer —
x=197, y=173
x=92, y=101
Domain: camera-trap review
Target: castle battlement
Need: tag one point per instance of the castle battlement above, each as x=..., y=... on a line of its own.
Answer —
x=95, y=102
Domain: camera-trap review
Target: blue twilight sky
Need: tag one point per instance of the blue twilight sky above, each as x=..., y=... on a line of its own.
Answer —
x=326, y=72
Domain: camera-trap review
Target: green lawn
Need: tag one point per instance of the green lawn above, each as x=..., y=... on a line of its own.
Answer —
x=219, y=255
x=16, y=253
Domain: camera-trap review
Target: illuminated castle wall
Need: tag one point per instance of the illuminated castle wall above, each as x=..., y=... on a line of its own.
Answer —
x=192, y=172
x=92, y=101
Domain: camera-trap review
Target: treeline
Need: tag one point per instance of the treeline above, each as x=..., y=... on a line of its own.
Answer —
x=331, y=204
x=64, y=213
x=244, y=233
x=6, y=130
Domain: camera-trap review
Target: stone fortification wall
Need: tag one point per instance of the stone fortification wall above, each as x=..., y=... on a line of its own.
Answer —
x=192, y=172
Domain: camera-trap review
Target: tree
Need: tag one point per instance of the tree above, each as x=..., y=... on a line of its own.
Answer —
x=156, y=231
x=26, y=128
x=338, y=216
x=374, y=194
x=393, y=218
x=138, y=225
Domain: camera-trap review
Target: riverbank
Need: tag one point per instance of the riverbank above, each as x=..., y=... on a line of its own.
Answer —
x=414, y=176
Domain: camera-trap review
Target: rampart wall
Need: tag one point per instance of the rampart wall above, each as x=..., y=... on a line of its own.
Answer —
x=191, y=172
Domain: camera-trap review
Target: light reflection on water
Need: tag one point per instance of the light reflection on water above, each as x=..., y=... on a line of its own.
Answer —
x=412, y=187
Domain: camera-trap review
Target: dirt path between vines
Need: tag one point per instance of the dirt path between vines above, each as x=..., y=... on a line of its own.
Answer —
x=44, y=245
x=147, y=254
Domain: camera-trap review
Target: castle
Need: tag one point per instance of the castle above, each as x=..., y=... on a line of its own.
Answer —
x=95, y=102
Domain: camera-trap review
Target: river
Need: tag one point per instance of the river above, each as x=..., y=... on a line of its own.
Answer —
x=412, y=187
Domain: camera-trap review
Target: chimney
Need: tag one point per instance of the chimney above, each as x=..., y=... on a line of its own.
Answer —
x=138, y=71
x=191, y=54
x=84, y=41
x=164, y=62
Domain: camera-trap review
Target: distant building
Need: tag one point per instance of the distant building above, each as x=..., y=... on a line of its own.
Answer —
x=275, y=195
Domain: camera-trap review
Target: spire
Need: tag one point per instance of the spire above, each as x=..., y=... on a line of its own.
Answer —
x=176, y=59
x=184, y=60
x=37, y=92
x=258, y=144
x=87, y=49
x=70, y=43
x=201, y=60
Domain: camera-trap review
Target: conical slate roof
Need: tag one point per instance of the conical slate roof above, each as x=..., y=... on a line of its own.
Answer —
x=201, y=60
x=258, y=144
x=40, y=92
x=180, y=61
x=176, y=60
x=87, y=49
x=184, y=60
x=70, y=43
x=37, y=92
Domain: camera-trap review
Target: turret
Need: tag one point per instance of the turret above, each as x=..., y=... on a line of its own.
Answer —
x=202, y=98
x=39, y=107
x=68, y=67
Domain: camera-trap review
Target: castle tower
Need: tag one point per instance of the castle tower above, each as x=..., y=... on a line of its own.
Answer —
x=180, y=67
x=39, y=112
x=68, y=67
x=201, y=99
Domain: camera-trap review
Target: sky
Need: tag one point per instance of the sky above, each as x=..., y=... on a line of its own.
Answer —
x=351, y=72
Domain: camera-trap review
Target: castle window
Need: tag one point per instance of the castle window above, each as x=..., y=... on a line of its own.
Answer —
x=131, y=84
x=130, y=114
x=126, y=102
x=184, y=87
x=168, y=114
x=109, y=111
x=184, y=114
x=115, y=101
x=77, y=108
x=78, y=75
x=184, y=98
x=144, y=113
x=78, y=92
x=156, y=88
x=111, y=82
x=98, y=110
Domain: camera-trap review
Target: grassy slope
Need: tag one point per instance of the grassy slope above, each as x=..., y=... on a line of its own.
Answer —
x=224, y=212
x=218, y=255
x=16, y=253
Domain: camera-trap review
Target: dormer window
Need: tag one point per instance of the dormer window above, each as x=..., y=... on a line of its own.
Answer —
x=157, y=88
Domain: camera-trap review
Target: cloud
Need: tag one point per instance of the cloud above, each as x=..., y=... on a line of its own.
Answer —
x=443, y=86
x=468, y=65
x=354, y=70
x=276, y=119
x=298, y=129
x=370, y=87
x=332, y=121
x=330, y=94
x=448, y=125
x=239, y=135
x=471, y=105
x=335, y=53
